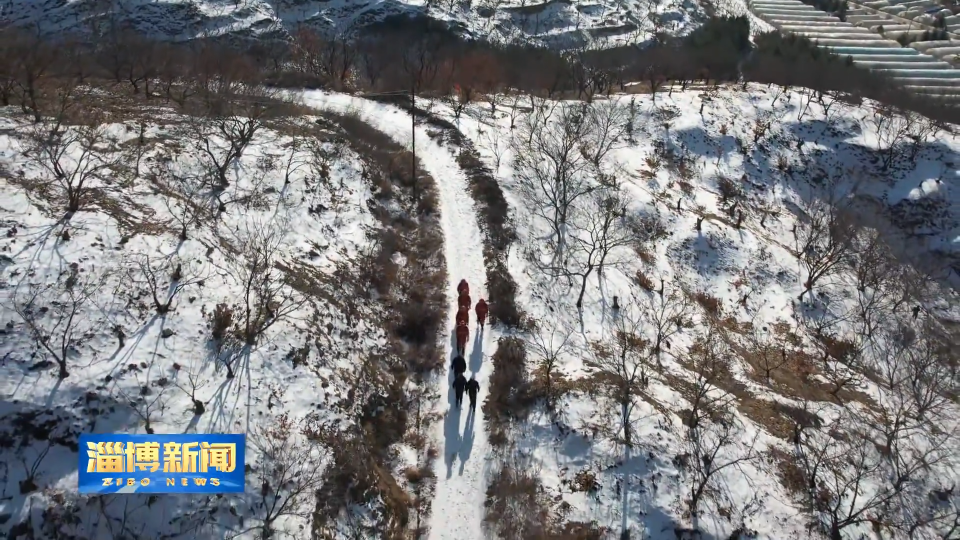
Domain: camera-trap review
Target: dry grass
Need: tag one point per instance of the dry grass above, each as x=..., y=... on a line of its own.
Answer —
x=415, y=475
x=775, y=418
x=509, y=395
x=413, y=305
x=643, y=281
x=710, y=304
x=788, y=472
x=517, y=506
x=797, y=377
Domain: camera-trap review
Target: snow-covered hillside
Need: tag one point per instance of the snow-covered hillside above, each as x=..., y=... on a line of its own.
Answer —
x=730, y=295
x=723, y=196
x=548, y=22
x=200, y=289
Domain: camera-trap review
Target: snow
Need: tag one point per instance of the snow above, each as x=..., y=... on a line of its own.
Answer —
x=605, y=22
x=927, y=187
x=111, y=383
x=642, y=491
x=461, y=467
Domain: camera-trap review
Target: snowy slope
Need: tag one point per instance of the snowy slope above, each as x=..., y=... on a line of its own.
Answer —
x=461, y=437
x=164, y=373
x=554, y=22
x=642, y=490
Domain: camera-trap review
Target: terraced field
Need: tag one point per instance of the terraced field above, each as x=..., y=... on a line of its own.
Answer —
x=923, y=66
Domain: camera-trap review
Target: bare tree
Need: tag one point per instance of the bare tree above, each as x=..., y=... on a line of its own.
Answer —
x=609, y=121
x=140, y=65
x=165, y=279
x=708, y=361
x=194, y=384
x=768, y=350
x=548, y=342
x=296, y=157
x=288, y=473
x=222, y=139
x=143, y=405
x=666, y=314
x=845, y=475
x=55, y=313
x=186, y=195
x=72, y=157
x=266, y=298
x=420, y=63
x=494, y=143
x=841, y=353
x=893, y=127
x=549, y=166
x=34, y=62
x=715, y=448
x=599, y=233
x=822, y=238
x=622, y=361
x=878, y=279
x=917, y=378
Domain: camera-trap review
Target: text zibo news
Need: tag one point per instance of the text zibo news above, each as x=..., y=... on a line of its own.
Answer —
x=112, y=463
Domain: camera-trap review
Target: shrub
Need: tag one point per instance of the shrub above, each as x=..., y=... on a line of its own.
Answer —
x=516, y=505
x=509, y=397
x=710, y=304
x=648, y=228
x=382, y=269
x=729, y=190
x=503, y=297
x=220, y=321
x=643, y=281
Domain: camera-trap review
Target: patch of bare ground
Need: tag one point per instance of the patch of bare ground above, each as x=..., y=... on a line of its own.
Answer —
x=411, y=295
x=789, y=473
x=782, y=364
x=776, y=418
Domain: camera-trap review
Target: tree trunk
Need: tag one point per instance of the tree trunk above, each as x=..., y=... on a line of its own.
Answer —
x=625, y=421
x=583, y=286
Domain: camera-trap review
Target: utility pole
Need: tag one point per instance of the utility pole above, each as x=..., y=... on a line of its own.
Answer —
x=413, y=140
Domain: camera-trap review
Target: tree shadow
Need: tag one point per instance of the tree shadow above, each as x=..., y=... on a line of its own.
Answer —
x=222, y=413
x=45, y=440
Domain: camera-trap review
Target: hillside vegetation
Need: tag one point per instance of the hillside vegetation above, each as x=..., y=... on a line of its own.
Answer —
x=721, y=274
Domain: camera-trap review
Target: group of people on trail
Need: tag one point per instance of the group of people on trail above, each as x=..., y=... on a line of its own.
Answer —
x=460, y=383
x=463, y=315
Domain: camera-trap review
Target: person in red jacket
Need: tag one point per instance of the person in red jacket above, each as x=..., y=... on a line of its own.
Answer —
x=481, y=312
x=463, y=333
x=463, y=316
x=464, y=300
x=463, y=287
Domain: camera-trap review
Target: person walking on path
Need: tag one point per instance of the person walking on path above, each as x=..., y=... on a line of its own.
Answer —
x=459, y=385
x=473, y=387
x=463, y=287
x=459, y=365
x=463, y=301
x=463, y=316
x=481, y=310
x=463, y=334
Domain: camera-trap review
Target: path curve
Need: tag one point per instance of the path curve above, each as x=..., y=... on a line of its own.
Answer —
x=462, y=464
